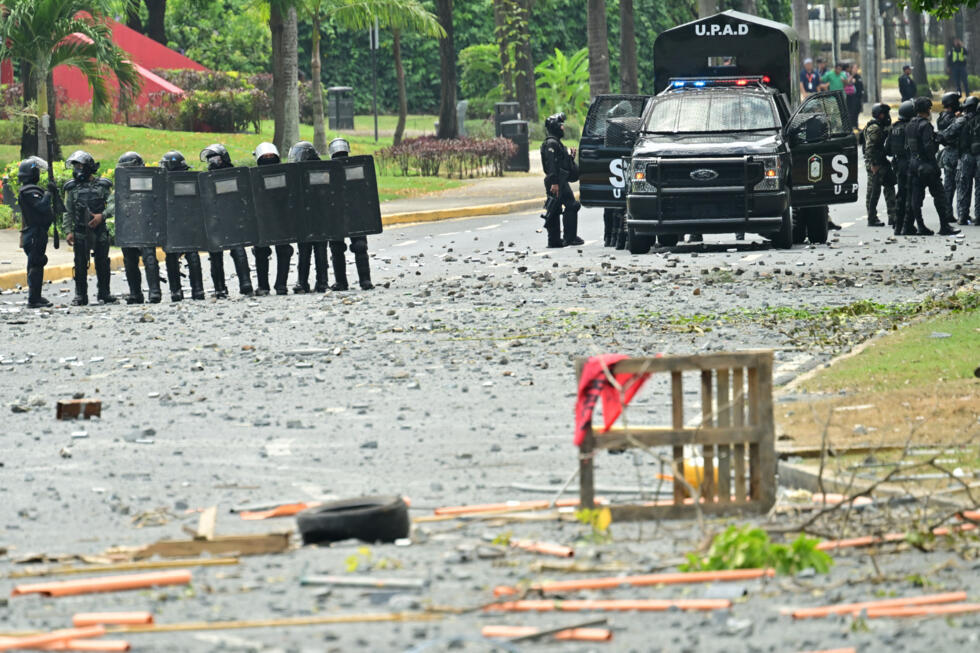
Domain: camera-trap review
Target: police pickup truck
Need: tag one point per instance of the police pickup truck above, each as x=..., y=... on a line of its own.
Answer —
x=725, y=146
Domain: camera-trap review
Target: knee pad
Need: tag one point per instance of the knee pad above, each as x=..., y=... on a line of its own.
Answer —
x=359, y=245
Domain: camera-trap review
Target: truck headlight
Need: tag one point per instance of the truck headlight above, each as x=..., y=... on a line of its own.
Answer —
x=771, y=173
x=638, y=177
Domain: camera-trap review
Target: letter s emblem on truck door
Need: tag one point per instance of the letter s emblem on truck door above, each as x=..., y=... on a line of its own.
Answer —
x=618, y=178
x=814, y=168
x=840, y=169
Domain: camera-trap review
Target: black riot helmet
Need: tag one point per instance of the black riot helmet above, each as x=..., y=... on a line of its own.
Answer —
x=130, y=160
x=338, y=148
x=880, y=112
x=906, y=110
x=82, y=165
x=29, y=170
x=174, y=161
x=970, y=105
x=951, y=100
x=216, y=156
x=923, y=105
x=302, y=151
x=555, y=125
x=266, y=154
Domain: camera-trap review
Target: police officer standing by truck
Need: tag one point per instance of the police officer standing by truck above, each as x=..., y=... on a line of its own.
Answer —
x=880, y=173
x=86, y=201
x=924, y=170
x=895, y=147
x=967, y=169
x=38, y=214
x=949, y=158
x=559, y=169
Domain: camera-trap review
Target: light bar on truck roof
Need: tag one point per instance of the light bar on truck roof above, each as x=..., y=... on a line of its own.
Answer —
x=683, y=82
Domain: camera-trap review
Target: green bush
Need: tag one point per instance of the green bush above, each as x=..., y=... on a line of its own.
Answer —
x=10, y=132
x=750, y=548
x=7, y=220
x=563, y=85
x=71, y=132
x=480, y=70
x=220, y=111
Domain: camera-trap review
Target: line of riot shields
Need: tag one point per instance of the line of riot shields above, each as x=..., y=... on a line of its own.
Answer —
x=309, y=201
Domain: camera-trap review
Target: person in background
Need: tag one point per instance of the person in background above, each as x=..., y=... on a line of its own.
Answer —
x=821, y=67
x=833, y=80
x=857, y=96
x=906, y=85
x=809, y=79
x=956, y=67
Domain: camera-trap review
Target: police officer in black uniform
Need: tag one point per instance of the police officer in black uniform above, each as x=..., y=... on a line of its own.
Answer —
x=131, y=255
x=880, y=173
x=338, y=149
x=895, y=148
x=174, y=161
x=559, y=169
x=267, y=154
x=949, y=158
x=304, y=151
x=924, y=169
x=86, y=210
x=37, y=214
x=217, y=157
x=967, y=169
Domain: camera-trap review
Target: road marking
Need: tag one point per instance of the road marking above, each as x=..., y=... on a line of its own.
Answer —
x=589, y=242
x=489, y=226
x=450, y=233
x=279, y=447
x=845, y=225
x=403, y=244
x=751, y=257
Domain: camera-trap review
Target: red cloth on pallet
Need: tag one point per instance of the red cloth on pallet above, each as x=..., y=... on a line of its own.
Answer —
x=594, y=384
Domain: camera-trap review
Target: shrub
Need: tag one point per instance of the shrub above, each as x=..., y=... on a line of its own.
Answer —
x=750, y=548
x=70, y=132
x=7, y=218
x=459, y=157
x=480, y=70
x=61, y=175
x=306, y=102
x=10, y=132
x=563, y=84
x=220, y=111
x=11, y=97
x=938, y=82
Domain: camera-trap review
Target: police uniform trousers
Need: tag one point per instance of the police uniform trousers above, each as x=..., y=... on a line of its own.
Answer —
x=94, y=243
x=358, y=245
x=318, y=253
x=967, y=187
x=921, y=181
x=262, y=255
x=131, y=263
x=195, y=274
x=951, y=162
x=884, y=179
x=569, y=215
x=34, y=240
x=901, y=167
x=239, y=258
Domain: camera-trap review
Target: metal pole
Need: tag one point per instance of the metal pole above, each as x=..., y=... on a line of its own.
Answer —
x=374, y=75
x=835, y=37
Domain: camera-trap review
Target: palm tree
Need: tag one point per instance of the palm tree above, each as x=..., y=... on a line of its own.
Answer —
x=628, y=76
x=285, y=72
x=917, y=50
x=801, y=22
x=448, y=127
x=598, y=48
x=51, y=33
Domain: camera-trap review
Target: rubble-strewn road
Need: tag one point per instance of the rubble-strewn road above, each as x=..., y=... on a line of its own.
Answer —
x=447, y=385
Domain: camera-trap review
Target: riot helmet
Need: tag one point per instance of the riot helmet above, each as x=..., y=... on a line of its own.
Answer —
x=216, y=156
x=82, y=165
x=338, y=147
x=970, y=105
x=174, y=161
x=29, y=171
x=303, y=151
x=130, y=160
x=880, y=112
x=923, y=105
x=555, y=125
x=266, y=154
x=951, y=100
x=906, y=110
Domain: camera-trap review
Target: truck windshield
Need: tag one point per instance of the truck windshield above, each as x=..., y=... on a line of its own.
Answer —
x=708, y=113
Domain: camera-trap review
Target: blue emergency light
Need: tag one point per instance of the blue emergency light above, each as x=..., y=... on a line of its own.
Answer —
x=721, y=81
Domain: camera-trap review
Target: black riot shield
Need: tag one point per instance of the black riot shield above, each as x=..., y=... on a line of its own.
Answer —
x=277, y=196
x=185, y=213
x=229, y=212
x=140, y=207
x=321, y=184
x=362, y=210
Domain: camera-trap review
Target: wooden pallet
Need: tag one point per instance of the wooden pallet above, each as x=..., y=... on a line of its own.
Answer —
x=736, y=429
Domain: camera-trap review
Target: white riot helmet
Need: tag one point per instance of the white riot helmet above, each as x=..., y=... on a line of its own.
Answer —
x=266, y=154
x=338, y=147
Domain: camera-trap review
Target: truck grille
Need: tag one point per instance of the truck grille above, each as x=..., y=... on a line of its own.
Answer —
x=701, y=207
x=678, y=174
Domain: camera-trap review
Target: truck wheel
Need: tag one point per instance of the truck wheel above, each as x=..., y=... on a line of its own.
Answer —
x=799, y=226
x=783, y=239
x=816, y=224
x=668, y=240
x=637, y=244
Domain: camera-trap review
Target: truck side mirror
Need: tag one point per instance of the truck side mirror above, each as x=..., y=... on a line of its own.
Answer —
x=815, y=129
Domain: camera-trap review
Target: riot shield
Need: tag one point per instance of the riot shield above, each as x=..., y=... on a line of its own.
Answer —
x=140, y=207
x=229, y=212
x=362, y=210
x=277, y=195
x=185, y=213
x=321, y=184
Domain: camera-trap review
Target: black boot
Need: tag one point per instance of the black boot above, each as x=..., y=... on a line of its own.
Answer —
x=303, y=269
x=152, y=268
x=608, y=225
x=873, y=221
x=320, y=260
x=571, y=231
x=35, y=279
x=261, y=271
x=283, y=255
x=948, y=229
x=217, y=263
x=339, y=270
x=363, y=266
x=196, y=276
x=620, y=234
x=81, y=293
x=922, y=229
x=102, y=278
x=173, y=277
x=131, y=264
x=243, y=271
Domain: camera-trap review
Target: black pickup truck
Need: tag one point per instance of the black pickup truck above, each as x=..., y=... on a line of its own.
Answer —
x=720, y=148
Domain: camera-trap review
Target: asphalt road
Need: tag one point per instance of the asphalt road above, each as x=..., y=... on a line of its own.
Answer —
x=451, y=380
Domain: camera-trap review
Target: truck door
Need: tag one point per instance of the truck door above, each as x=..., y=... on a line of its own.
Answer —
x=824, y=152
x=602, y=166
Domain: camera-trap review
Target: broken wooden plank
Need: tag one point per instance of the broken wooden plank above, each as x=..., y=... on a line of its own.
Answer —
x=75, y=408
x=243, y=545
x=123, y=566
x=205, y=524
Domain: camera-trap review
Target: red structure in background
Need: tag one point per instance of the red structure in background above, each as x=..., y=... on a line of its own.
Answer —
x=144, y=53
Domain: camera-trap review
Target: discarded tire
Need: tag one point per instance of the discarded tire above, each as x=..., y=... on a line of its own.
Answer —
x=369, y=519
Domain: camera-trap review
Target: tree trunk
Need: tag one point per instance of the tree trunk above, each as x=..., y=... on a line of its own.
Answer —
x=290, y=67
x=749, y=7
x=278, y=74
x=598, y=48
x=156, y=29
x=402, y=93
x=53, y=113
x=971, y=22
x=504, y=40
x=448, y=128
x=917, y=51
x=707, y=8
x=42, y=111
x=891, y=49
x=525, y=64
x=319, y=133
x=628, y=77
x=801, y=23
x=133, y=17
x=28, y=132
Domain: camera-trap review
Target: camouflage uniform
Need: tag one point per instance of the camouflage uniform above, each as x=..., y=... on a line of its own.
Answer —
x=968, y=173
x=83, y=199
x=949, y=158
x=874, y=156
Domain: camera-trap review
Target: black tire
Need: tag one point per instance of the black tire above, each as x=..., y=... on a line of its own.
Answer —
x=799, y=226
x=369, y=519
x=638, y=244
x=668, y=240
x=816, y=224
x=783, y=239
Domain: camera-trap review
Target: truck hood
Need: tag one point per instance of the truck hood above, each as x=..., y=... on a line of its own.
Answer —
x=709, y=145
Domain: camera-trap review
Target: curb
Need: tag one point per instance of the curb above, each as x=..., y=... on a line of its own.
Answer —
x=11, y=280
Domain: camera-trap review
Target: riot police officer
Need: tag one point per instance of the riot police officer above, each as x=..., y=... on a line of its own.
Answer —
x=304, y=151
x=880, y=173
x=37, y=214
x=86, y=202
x=924, y=169
x=967, y=171
x=339, y=149
x=131, y=255
x=174, y=161
x=559, y=169
x=949, y=159
x=217, y=157
x=268, y=154
x=895, y=147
